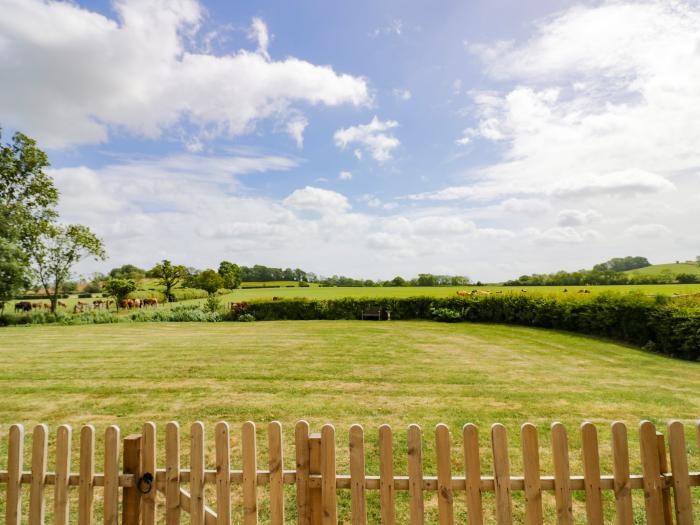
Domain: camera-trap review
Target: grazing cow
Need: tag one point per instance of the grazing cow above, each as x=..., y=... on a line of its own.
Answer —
x=24, y=306
x=565, y=290
x=98, y=303
x=36, y=306
x=62, y=304
x=127, y=303
x=523, y=291
x=108, y=304
x=151, y=301
x=462, y=293
x=584, y=291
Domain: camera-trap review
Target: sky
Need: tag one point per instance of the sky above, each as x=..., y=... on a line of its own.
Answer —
x=370, y=139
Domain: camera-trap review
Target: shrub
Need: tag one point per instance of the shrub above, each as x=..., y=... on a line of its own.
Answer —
x=212, y=304
x=185, y=294
x=84, y=296
x=446, y=315
x=246, y=318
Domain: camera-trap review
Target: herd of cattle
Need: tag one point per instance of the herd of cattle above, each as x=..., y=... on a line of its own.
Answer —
x=464, y=293
x=81, y=306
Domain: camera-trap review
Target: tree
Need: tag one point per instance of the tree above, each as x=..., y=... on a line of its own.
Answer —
x=687, y=278
x=119, y=289
x=28, y=199
x=127, y=271
x=169, y=276
x=231, y=274
x=58, y=250
x=13, y=276
x=210, y=281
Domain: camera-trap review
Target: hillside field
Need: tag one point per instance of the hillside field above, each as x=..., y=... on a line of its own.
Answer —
x=673, y=268
x=346, y=372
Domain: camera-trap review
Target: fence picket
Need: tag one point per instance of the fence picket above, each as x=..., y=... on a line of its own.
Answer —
x=357, y=476
x=301, y=443
x=415, y=475
x=591, y=474
x=40, y=445
x=197, y=473
x=663, y=467
x=472, y=474
x=250, y=468
x=501, y=474
x=621, y=472
x=328, y=473
x=61, y=507
x=651, y=470
x=531, y=474
x=86, y=491
x=679, y=467
x=172, y=473
x=222, y=439
x=276, y=466
x=111, y=480
x=444, y=475
x=386, y=476
x=15, y=465
x=148, y=464
x=562, y=485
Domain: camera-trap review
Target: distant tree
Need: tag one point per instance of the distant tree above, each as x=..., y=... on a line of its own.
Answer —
x=622, y=264
x=426, y=279
x=687, y=278
x=169, y=276
x=128, y=271
x=57, y=250
x=69, y=287
x=119, y=289
x=397, y=281
x=210, y=281
x=231, y=274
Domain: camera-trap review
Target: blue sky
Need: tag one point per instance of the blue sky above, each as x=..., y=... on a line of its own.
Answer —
x=370, y=139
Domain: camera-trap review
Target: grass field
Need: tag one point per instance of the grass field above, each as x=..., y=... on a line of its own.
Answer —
x=316, y=292
x=658, y=269
x=346, y=372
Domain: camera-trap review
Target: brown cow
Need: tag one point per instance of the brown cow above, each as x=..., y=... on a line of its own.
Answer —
x=62, y=304
x=462, y=293
x=151, y=301
x=24, y=306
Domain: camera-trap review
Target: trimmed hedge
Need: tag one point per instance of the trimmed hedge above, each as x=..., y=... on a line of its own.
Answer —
x=658, y=324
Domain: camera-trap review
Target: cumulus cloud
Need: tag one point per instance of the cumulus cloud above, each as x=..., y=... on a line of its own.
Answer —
x=345, y=175
x=317, y=199
x=74, y=76
x=372, y=137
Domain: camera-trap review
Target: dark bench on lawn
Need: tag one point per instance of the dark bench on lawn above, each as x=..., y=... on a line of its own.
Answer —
x=376, y=313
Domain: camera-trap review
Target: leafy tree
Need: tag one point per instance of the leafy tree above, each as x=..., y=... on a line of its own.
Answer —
x=119, y=288
x=397, y=281
x=686, y=278
x=231, y=274
x=169, y=276
x=210, y=281
x=13, y=277
x=622, y=264
x=27, y=206
x=58, y=250
x=127, y=271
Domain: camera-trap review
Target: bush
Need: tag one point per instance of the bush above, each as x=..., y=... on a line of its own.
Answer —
x=185, y=294
x=84, y=296
x=246, y=318
x=212, y=304
x=446, y=315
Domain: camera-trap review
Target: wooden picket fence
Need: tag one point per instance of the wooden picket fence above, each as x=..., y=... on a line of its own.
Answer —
x=133, y=490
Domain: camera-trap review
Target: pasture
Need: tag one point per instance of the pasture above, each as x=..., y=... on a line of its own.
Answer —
x=316, y=292
x=345, y=372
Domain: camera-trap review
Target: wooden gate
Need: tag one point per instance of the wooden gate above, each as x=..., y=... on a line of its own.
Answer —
x=141, y=492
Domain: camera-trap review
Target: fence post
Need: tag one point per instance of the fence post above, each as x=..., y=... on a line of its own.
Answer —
x=315, y=505
x=131, y=498
x=666, y=492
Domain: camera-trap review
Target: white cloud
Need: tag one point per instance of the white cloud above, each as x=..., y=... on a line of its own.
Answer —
x=525, y=206
x=625, y=183
x=295, y=127
x=73, y=76
x=649, y=231
x=402, y=94
x=345, y=175
x=562, y=235
x=577, y=217
x=259, y=33
x=372, y=137
x=317, y=199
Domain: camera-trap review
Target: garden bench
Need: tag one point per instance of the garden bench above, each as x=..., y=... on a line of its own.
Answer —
x=377, y=313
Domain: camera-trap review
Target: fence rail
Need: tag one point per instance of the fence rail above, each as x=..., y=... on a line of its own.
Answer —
x=139, y=490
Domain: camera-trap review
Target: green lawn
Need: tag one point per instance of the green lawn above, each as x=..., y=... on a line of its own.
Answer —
x=345, y=372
